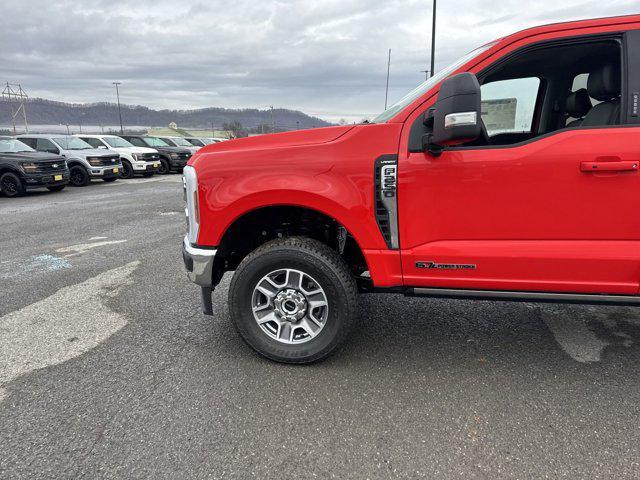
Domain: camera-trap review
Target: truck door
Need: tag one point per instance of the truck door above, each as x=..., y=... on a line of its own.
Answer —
x=547, y=201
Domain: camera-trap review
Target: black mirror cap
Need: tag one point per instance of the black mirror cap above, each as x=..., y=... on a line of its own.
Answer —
x=457, y=111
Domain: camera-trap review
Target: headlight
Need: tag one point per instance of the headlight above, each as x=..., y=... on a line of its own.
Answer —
x=190, y=182
x=29, y=166
x=174, y=156
x=95, y=162
x=135, y=156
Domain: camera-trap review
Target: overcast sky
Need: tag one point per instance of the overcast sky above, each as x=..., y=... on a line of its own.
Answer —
x=324, y=57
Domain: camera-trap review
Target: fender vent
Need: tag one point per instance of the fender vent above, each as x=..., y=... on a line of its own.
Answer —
x=385, y=194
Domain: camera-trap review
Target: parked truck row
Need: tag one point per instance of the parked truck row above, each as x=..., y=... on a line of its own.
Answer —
x=53, y=161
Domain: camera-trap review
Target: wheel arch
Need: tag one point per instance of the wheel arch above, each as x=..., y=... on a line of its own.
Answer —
x=11, y=169
x=73, y=162
x=253, y=227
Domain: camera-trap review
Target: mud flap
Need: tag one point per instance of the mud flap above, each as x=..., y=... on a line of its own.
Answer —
x=207, y=304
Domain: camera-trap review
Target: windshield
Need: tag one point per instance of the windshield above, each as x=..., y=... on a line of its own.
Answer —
x=117, y=142
x=155, y=142
x=71, y=143
x=14, y=146
x=427, y=85
x=181, y=142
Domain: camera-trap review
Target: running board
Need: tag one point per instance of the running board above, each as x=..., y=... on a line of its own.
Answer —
x=505, y=295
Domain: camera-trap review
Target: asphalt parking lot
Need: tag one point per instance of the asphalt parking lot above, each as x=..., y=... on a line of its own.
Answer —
x=109, y=370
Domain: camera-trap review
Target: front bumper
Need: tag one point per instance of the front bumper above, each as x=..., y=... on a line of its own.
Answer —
x=106, y=172
x=34, y=180
x=198, y=263
x=178, y=163
x=152, y=167
x=146, y=166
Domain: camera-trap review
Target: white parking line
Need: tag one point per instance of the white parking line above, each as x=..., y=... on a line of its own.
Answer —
x=84, y=247
x=58, y=328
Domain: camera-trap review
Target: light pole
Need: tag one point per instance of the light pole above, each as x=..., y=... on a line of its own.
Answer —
x=273, y=121
x=119, y=111
x=386, y=93
x=433, y=39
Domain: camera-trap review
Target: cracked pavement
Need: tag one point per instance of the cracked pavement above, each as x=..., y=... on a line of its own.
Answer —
x=109, y=370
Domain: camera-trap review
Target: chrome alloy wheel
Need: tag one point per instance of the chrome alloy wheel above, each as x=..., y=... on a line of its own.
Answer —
x=290, y=306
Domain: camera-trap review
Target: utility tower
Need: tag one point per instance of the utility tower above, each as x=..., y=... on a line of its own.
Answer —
x=17, y=97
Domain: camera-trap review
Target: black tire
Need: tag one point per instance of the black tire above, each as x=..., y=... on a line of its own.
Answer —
x=165, y=168
x=56, y=188
x=127, y=170
x=110, y=179
x=313, y=258
x=11, y=185
x=78, y=176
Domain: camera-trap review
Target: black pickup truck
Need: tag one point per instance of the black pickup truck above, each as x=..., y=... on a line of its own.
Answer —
x=21, y=167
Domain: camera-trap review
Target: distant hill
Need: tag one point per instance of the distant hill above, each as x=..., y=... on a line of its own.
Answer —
x=48, y=112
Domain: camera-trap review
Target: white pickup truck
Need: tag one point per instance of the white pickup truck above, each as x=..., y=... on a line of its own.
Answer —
x=135, y=160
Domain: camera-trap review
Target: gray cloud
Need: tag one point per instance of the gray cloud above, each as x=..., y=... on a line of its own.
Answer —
x=325, y=57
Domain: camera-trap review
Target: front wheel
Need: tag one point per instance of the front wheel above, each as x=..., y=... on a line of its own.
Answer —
x=293, y=300
x=78, y=176
x=164, y=167
x=11, y=185
x=127, y=170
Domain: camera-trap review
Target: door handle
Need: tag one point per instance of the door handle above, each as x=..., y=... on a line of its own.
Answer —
x=608, y=166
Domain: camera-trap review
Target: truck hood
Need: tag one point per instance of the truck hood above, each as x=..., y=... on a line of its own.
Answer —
x=92, y=152
x=136, y=150
x=287, y=139
x=30, y=156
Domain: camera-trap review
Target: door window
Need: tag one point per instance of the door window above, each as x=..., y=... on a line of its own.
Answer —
x=508, y=106
x=46, y=145
x=29, y=141
x=94, y=142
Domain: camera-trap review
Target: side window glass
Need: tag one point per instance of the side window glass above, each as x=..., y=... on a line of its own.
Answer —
x=508, y=106
x=137, y=142
x=94, y=142
x=29, y=141
x=42, y=144
x=578, y=102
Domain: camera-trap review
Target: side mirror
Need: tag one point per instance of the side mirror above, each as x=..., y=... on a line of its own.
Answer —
x=456, y=114
x=52, y=150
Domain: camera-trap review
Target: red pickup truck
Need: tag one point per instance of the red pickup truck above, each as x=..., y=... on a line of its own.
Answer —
x=510, y=175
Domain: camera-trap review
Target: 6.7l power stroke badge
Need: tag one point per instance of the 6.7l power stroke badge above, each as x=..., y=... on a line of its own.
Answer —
x=446, y=266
